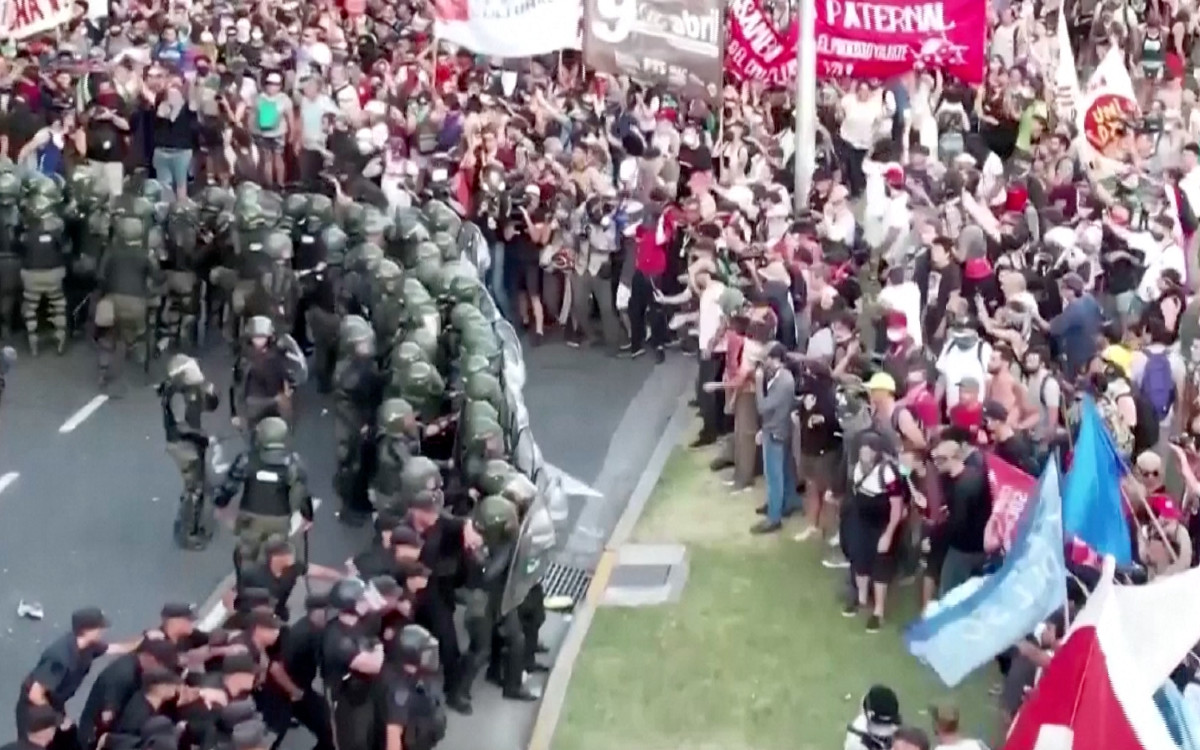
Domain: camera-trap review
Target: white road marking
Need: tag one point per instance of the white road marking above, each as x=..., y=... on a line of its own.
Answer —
x=80, y=416
x=215, y=616
x=8, y=479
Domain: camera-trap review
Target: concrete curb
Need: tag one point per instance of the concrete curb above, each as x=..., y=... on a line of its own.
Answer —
x=555, y=693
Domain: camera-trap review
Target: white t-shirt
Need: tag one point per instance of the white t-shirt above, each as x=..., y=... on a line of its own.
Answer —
x=710, y=314
x=858, y=122
x=955, y=365
x=1157, y=260
x=905, y=298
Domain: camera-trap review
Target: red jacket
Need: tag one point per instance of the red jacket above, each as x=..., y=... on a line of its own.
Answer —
x=652, y=244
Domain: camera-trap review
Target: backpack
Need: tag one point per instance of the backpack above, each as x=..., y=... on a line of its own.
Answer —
x=268, y=114
x=1158, y=384
x=1122, y=436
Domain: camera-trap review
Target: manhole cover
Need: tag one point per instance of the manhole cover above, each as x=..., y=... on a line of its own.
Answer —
x=640, y=576
x=566, y=580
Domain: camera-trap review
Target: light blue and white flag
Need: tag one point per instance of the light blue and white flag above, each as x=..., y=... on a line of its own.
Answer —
x=981, y=618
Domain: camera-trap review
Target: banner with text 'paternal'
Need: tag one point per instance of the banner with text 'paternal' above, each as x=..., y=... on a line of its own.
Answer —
x=878, y=39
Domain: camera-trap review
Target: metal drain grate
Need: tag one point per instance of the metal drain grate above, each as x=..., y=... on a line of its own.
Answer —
x=566, y=580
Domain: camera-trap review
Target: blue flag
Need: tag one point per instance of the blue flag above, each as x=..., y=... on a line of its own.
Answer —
x=1091, y=498
x=1181, y=719
x=984, y=616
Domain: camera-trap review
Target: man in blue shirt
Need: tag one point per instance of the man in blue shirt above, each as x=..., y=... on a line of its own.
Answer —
x=1077, y=328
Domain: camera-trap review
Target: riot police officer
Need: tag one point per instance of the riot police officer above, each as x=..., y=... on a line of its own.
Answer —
x=265, y=374
x=10, y=260
x=357, y=384
x=273, y=484
x=415, y=711
x=181, y=302
x=351, y=660
x=44, y=253
x=288, y=693
x=397, y=440
x=127, y=271
x=275, y=292
x=185, y=397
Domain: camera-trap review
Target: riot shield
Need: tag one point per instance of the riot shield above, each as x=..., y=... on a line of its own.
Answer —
x=473, y=248
x=297, y=362
x=531, y=557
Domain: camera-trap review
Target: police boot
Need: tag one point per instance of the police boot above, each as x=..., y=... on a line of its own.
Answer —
x=183, y=520
x=33, y=344
x=200, y=532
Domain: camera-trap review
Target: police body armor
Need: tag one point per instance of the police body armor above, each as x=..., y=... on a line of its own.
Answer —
x=268, y=485
x=195, y=399
x=42, y=244
x=253, y=261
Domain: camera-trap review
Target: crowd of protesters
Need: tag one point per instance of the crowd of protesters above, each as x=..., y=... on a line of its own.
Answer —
x=953, y=287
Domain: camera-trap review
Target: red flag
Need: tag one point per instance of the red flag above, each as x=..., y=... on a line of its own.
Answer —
x=1011, y=489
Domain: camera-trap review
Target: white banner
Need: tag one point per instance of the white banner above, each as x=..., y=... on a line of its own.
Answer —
x=509, y=28
x=22, y=18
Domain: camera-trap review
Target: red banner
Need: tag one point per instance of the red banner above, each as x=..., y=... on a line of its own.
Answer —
x=878, y=39
x=755, y=50
x=1011, y=489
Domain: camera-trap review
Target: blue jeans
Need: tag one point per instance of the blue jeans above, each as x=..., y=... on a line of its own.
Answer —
x=171, y=167
x=780, y=476
x=498, y=280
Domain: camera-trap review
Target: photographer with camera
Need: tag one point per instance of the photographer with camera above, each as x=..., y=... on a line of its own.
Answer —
x=526, y=230
x=595, y=265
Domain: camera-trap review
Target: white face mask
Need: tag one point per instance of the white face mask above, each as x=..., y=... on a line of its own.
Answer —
x=691, y=138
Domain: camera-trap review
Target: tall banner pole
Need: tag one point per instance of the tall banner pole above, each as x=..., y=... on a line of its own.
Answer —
x=806, y=102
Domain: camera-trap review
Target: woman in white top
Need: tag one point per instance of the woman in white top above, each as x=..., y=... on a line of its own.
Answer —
x=924, y=104
x=860, y=111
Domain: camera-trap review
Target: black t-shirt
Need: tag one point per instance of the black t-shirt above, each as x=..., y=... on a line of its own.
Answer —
x=376, y=560
x=340, y=644
x=936, y=284
x=105, y=142
x=1018, y=451
x=20, y=125
x=969, y=504
x=116, y=684
x=820, y=432
x=261, y=577
x=527, y=250
x=299, y=651
x=61, y=669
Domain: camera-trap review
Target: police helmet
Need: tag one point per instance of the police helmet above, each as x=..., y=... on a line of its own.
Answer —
x=259, y=325
x=271, y=432
x=185, y=369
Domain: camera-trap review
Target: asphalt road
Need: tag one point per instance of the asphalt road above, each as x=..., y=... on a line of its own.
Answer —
x=88, y=496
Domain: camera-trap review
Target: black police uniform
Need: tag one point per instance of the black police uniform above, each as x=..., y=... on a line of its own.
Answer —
x=350, y=695
x=260, y=376
x=298, y=651
x=280, y=587
x=442, y=553
x=416, y=705
x=60, y=670
x=114, y=687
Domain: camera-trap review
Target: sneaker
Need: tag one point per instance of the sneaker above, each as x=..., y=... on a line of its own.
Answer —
x=850, y=610
x=835, y=540
x=659, y=357
x=625, y=347
x=765, y=527
x=835, y=562
x=637, y=352
x=807, y=533
x=573, y=343
x=873, y=624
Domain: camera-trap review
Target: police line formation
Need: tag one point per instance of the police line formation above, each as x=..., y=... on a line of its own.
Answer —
x=431, y=431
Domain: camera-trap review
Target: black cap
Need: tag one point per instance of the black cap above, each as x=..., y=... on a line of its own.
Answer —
x=315, y=601
x=240, y=663
x=405, y=536
x=88, y=618
x=155, y=677
x=41, y=718
x=178, y=611
x=993, y=409
x=262, y=618
x=385, y=586
x=252, y=598
x=160, y=650
x=385, y=520
x=881, y=705
x=249, y=735
x=776, y=350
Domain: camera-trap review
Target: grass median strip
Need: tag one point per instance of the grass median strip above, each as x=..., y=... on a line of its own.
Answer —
x=756, y=655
